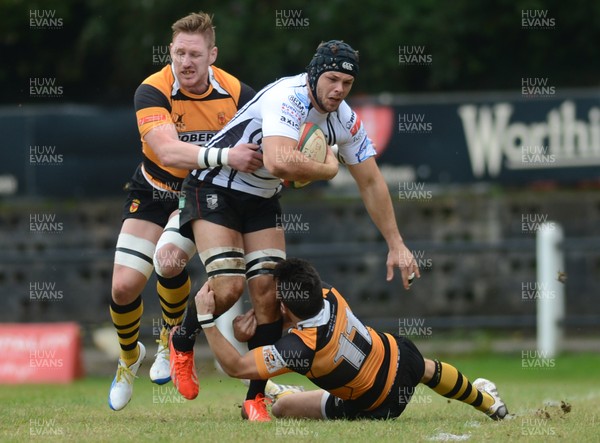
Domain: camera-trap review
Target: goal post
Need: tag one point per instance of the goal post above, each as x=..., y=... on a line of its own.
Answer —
x=551, y=290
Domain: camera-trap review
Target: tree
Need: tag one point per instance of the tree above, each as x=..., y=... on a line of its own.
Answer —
x=104, y=49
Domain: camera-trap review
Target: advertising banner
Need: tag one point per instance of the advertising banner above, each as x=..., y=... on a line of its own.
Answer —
x=500, y=138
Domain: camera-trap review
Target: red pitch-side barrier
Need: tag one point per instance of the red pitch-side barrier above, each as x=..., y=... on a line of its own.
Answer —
x=40, y=353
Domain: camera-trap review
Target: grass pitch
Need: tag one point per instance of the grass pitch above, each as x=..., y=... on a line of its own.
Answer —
x=557, y=400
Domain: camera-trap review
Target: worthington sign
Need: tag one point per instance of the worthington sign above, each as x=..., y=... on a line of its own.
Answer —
x=503, y=138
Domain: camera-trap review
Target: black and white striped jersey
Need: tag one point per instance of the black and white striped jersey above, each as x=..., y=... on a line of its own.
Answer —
x=279, y=109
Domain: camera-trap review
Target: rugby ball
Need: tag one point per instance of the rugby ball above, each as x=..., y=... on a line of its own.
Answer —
x=312, y=144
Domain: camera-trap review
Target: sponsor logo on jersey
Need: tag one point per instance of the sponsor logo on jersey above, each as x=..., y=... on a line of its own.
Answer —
x=197, y=137
x=302, y=98
x=151, y=119
x=271, y=358
x=361, y=153
x=351, y=121
x=291, y=122
x=178, y=121
x=361, y=134
x=212, y=201
x=135, y=204
x=296, y=101
x=356, y=126
x=291, y=111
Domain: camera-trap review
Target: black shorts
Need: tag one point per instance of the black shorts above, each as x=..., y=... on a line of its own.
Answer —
x=233, y=209
x=144, y=202
x=410, y=371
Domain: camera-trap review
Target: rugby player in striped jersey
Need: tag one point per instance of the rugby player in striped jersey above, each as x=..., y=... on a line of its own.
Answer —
x=362, y=373
x=234, y=214
x=178, y=110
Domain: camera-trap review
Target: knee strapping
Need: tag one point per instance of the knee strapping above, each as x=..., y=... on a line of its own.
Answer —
x=223, y=261
x=262, y=262
x=172, y=236
x=135, y=253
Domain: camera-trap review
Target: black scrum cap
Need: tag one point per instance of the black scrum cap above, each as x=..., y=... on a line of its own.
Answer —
x=334, y=55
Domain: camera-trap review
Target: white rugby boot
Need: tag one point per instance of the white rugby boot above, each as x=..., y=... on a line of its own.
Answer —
x=498, y=410
x=274, y=391
x=160, y=372
x=121, y=388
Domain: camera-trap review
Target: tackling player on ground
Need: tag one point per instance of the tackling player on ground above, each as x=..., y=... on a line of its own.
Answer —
x=233, y=214
x=363, y=373
x=178, y=109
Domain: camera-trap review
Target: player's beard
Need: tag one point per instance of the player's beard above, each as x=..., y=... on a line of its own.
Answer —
x=327, y=104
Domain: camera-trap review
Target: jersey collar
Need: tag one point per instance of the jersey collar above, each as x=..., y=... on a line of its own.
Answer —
x=211, y=79
x=318, y=320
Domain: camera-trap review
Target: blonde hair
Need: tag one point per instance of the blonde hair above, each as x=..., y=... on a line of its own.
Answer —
x=196, y=23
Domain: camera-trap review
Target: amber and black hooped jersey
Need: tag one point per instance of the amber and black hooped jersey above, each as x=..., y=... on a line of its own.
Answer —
x=337, y=353
x=160, y=100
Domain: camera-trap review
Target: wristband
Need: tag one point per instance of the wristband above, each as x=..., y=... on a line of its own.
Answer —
x=206, y=320
x=210, y=157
